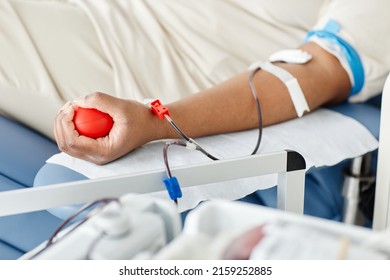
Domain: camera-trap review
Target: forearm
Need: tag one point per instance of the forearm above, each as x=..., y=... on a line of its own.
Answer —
x=230, y=106
x=224, y=108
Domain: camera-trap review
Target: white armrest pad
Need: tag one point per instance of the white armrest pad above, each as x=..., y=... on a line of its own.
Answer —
x=323, y=138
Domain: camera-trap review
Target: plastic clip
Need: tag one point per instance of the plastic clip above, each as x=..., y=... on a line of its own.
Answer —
x=191, y=145
x=173, y=188
x=158, y=109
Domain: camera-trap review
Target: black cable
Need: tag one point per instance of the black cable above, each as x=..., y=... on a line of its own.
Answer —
x=74, y=215
x=93, y=245
x=259, y=115
x=165, y=154
x=258, y=108
x=51, y=240
x=197, y=146
x=178, y=130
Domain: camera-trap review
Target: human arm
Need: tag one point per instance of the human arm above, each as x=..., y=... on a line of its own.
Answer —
x=230, y=106
x=224, y=108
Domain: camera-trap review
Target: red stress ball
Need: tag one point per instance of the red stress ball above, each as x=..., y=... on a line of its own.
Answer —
x=92, y=123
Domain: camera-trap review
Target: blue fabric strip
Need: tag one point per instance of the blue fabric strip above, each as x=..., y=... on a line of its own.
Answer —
x=353, y=58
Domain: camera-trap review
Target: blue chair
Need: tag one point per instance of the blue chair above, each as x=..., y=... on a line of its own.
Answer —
x=22, y=153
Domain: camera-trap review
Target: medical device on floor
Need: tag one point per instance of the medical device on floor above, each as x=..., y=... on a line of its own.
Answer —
x=131, y=227
x=142, y=227
x=237, y=230
x=363, y=190
x=382, y=188
x=358, y=190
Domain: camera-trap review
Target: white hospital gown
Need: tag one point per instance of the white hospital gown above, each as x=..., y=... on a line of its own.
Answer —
x=54, y=51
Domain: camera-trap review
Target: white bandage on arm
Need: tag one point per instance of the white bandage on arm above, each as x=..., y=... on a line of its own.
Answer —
x=293, y=87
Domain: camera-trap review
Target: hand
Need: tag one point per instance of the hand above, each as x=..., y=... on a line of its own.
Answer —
x=133, y=127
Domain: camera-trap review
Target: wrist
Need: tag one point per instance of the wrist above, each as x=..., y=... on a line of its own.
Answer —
x=157, y=128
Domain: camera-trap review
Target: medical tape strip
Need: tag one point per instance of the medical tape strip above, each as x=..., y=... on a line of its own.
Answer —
x=293, y=87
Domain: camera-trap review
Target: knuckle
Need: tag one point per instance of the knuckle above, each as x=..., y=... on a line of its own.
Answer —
x=101, y=158
x=71, y=143
x=100, y=161
x=95, y=97
x=66, y=145
x=62, y=146
x=60, y=117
